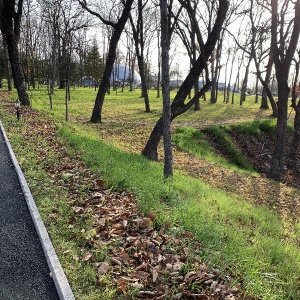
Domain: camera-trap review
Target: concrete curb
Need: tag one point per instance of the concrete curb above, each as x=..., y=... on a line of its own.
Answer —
x=59, y=277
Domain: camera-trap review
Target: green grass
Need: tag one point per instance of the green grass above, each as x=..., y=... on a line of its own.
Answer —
x=130, y=106
x=256, y=127
x=235, y=156
x=233, y=233
x=235, y=236
x=195, y=142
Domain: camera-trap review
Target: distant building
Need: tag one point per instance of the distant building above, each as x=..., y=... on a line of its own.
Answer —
x=87, y=81
x=119, y=70
x=221, y=85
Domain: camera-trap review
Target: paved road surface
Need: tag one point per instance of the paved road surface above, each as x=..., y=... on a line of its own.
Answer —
x=24, y=272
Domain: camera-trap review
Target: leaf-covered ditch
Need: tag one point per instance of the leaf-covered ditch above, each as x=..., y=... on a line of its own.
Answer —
x=245, y=147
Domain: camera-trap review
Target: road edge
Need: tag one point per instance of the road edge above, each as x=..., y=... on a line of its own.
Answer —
x=60, y=280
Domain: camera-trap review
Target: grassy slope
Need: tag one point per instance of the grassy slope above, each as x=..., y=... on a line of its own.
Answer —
x=234, y=234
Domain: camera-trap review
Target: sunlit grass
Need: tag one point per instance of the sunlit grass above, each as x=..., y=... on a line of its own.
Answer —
x=130, y=106
x=196, y=142
x=234, y=235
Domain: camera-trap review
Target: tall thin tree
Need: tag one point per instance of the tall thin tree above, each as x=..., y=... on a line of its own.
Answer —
x=283, y=53
x=178, y=105
x=165, y=61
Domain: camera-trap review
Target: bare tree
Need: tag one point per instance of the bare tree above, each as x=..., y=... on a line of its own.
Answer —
x=178, y=105
x=10, y=22
x=51, y=14
x=165, y=61
x=245, y=82
x=260, y=31
x=7, y=65
x=142, y=29
x=72, y=20
x=188, y=35
x=118, y=27
x=63, y=19
x=296, y=107
x=283, y=47
x=257, y=46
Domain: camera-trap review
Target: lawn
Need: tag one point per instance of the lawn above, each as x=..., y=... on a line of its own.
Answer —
x=255, y=246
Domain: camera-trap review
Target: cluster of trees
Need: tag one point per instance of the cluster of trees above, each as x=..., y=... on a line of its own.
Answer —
x=52, y=41
x=48, y=39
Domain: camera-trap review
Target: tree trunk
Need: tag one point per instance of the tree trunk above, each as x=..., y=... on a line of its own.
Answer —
x=7, y=65
x=256, y=90
x=17, y=70
x=213, y=98
x=230, y=75
x=144, y=83
x=296, y=138
x=296, y=107
x=10, y=16
x=196, y=90
x=217, y=67
x=278, y=154
x=63, y=66
x=245, y=83
x=196, y=84
x=264, y=99
x=282, y=67
x=165, y=59
x=111, y=56
x=150, y=150
x=53, y=66
x=138, y=36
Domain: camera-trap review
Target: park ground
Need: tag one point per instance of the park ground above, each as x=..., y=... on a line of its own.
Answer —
x=121, y=242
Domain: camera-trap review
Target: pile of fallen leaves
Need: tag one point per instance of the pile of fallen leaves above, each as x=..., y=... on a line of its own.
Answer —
x=137, y=253
x=141, y=257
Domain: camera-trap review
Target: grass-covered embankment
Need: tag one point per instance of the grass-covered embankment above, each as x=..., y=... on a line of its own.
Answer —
x=234, y=235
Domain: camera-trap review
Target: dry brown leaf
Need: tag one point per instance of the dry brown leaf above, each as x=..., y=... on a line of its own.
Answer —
x=88, y=256
x=103, y=268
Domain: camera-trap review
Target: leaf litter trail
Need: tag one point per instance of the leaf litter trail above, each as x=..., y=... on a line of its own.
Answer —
x=138, y=255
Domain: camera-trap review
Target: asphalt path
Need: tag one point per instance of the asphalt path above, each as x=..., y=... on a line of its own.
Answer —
x=24, y=271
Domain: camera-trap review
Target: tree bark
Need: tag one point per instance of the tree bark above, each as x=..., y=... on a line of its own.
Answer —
x=139, y=42
x=7, y=65
x=296, y=107
x=282, y=61
x=17, y=71
x=10, y=20
x=296, y=137
x=245, y=83
x=282, y=104
x=264, y=99
x=165, y=59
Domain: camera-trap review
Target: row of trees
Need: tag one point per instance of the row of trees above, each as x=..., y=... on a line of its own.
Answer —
x=49, y=39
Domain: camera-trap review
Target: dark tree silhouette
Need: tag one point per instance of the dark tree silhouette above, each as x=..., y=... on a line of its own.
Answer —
x=111, y=56
x=10, y=22
x=283, y=54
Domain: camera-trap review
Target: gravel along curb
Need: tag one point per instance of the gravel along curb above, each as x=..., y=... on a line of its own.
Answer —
x=59, y=277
